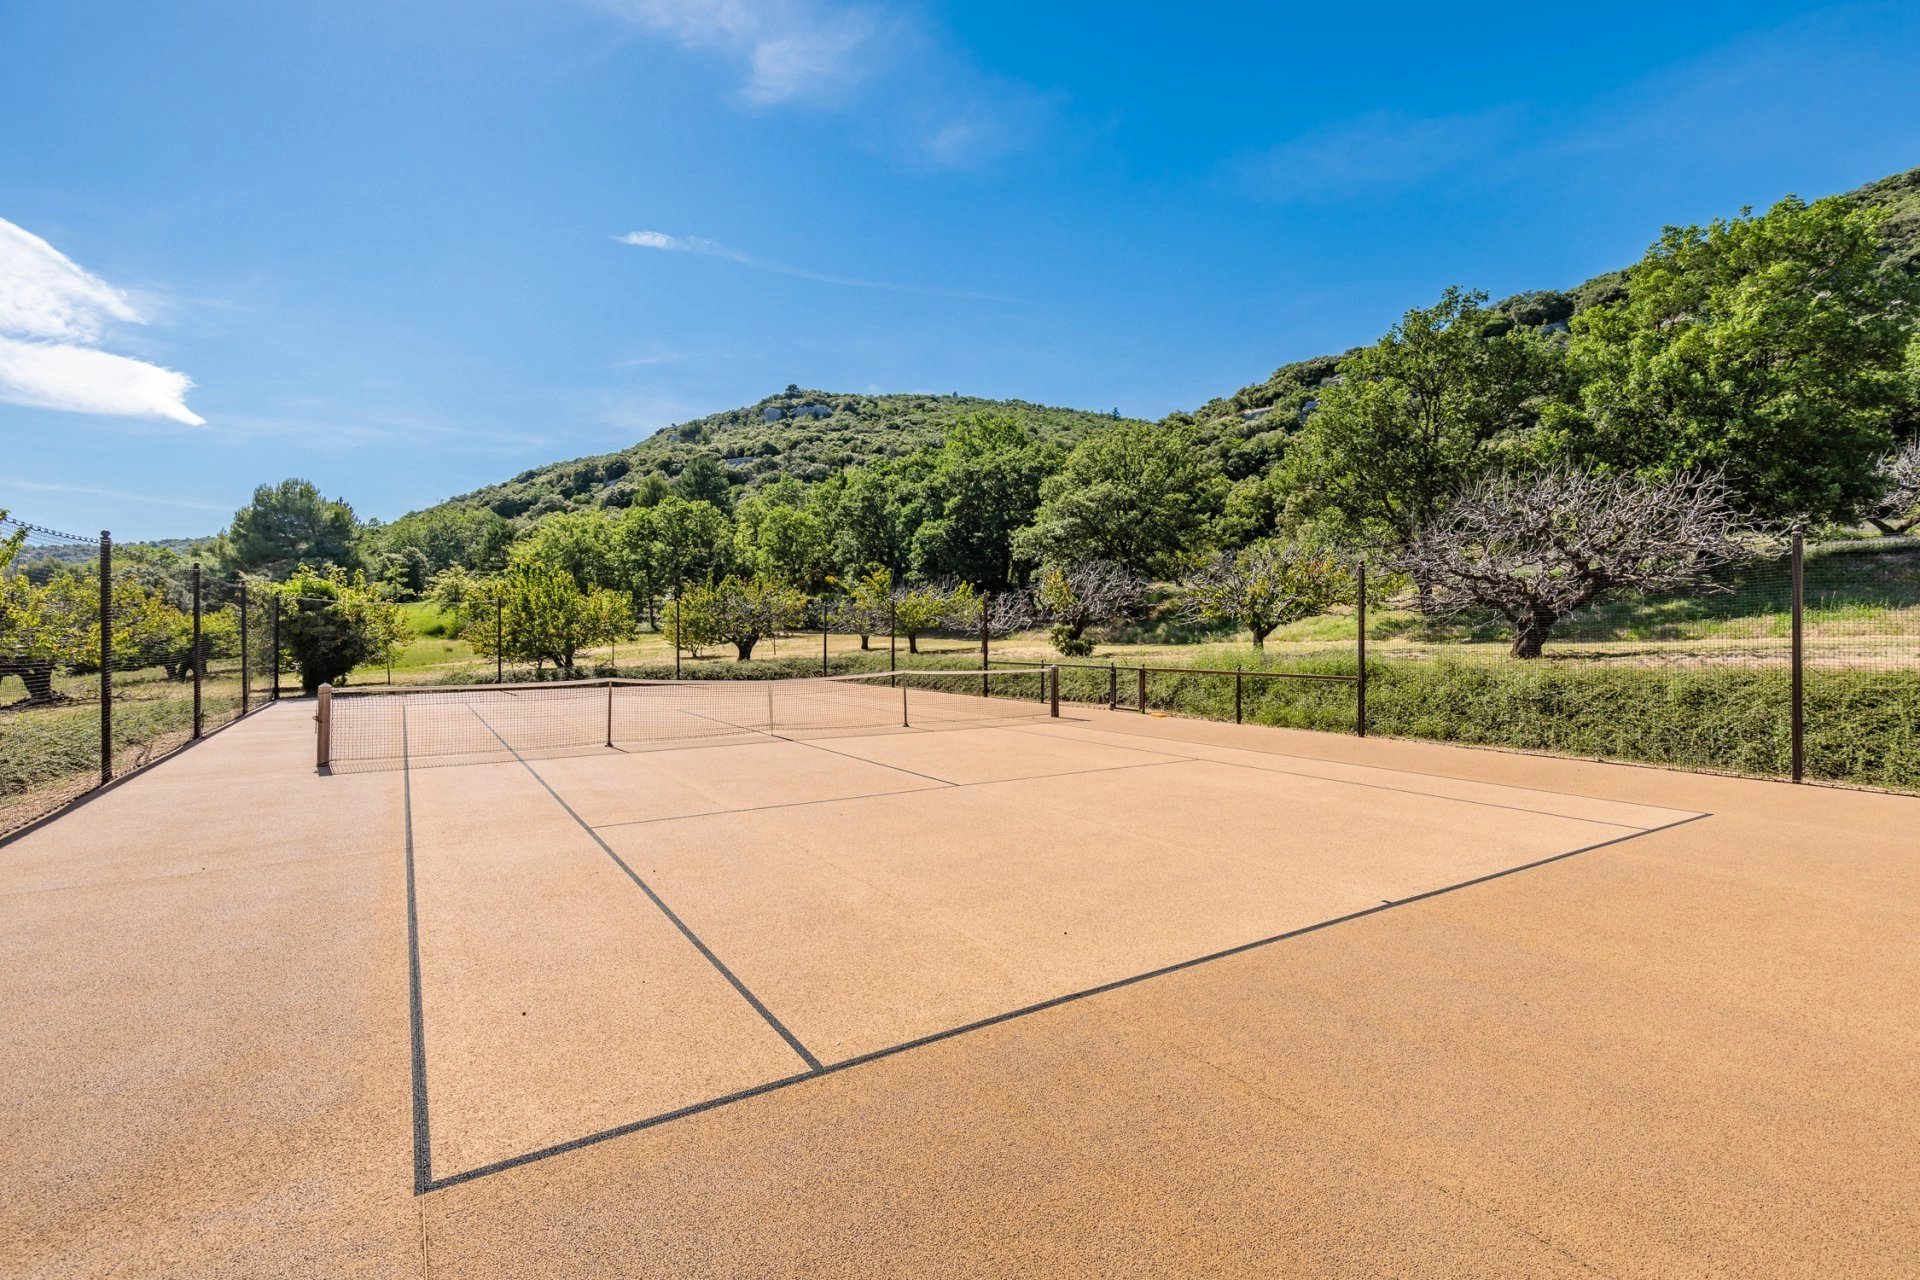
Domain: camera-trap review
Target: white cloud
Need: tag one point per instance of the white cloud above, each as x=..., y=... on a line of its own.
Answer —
x=905, y=90
x=706, y=248
x=791, y=50
x=53, y=315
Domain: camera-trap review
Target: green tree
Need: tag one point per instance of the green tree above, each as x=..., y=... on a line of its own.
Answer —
x=585, y=544
x=45, y=626
x=983, y=486
x=1765, y=349
x=1268, y=584
x=548, y=617
x=739, y=611
x=1135, y=495
x=787, y=542
x=1078, y=597
x=690, y=542
x=1422, y=412
x=866, y=515
x=330, y=623
x=704, y=479
x=287, y=526
x=926, y=607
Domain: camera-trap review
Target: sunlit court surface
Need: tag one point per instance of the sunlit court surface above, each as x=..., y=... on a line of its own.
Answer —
x=926, y=976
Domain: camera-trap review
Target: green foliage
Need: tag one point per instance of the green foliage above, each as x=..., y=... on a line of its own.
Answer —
x=738, y=611
x=287, y=526
x=1418, y=415
x=1267, y=585
x=923, y=608
x=686, y=541
x=982, y=485
x=46, y=626
x=1135, y=495
x=1767, y=348
x=331, y=623
x=776, y=537
x=537, y=612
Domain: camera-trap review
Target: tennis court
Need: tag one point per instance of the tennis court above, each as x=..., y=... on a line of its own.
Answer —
x=631, y=902
x=916, y=976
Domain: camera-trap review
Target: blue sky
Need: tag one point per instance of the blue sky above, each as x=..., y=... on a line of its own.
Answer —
x=406, y=249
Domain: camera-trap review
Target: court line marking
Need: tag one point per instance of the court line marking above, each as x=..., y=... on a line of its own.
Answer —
x=1041, y=1006
x=793, y=1041
x=1688, y=815
x=416, y=1005
x=914, y=791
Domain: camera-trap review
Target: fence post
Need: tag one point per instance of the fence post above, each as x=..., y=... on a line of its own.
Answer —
x=323, y=727
x=825, y=624
x=985, y=657
x=106, y=657
x=1143, y=690
x=892, y=647
x=499, y=641
x=1239, y=684
x=1360, y=647
x=610, y=713
x=276, y=647
x=1113, y=687
x=197, y=656
x=1053, y=691
x=1798, y=695
x=246, y=672
x=676, y=630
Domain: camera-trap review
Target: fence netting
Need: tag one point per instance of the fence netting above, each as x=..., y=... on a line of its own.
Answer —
x=94, y=682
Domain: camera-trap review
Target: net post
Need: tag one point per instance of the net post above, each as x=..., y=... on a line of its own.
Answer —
x=106, y=657
x=905, y=721
x=1053, y=691
x=1143, y=690
x=323, y=727
x=1360, y=652
x=197, y=657
x=246, y=672
x=276, y=647
x=1239, y=698
x=1798, y=693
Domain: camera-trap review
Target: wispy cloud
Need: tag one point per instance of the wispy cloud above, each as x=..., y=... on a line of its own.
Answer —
x=1372, y=153
x=117, y=495
x=53, y=316
x=912, y=93
x=705, y=248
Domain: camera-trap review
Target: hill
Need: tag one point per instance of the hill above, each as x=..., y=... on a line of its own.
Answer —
x=1260, y=415
x=808, y=435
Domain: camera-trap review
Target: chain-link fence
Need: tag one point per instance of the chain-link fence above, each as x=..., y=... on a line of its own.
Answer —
x=112, y=657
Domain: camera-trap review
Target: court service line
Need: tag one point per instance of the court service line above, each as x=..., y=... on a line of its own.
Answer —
x=1054, y=1002
x=1428, y=795
x=793, y=1041
x=903, y=791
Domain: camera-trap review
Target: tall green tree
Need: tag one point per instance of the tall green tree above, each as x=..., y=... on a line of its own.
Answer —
x=1136, y=495
x=704, y=479
x=982, y=487
x=1767, y=349
x=288, y=525
x=585, y=544
x=691, y=541
x=866, y=512
x=1417, y=415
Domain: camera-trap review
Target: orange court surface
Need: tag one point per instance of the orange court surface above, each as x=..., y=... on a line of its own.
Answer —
x=1101, y=994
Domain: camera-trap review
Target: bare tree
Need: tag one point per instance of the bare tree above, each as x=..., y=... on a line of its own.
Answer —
x=1010, y=612
x=1898, y=508
x=1087, y=593
x=1533, y=548
x=1266, y=585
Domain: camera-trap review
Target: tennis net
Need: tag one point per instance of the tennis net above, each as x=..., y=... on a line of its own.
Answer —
x=386, y=727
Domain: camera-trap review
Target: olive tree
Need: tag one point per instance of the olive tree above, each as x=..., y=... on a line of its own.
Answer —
x=739, y=611
x=1085, y=594
x=1533, y=548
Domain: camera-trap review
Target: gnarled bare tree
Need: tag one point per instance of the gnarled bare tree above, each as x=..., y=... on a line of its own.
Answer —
x=1533, y=548
x=1087, y=593
x=1898, y=508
